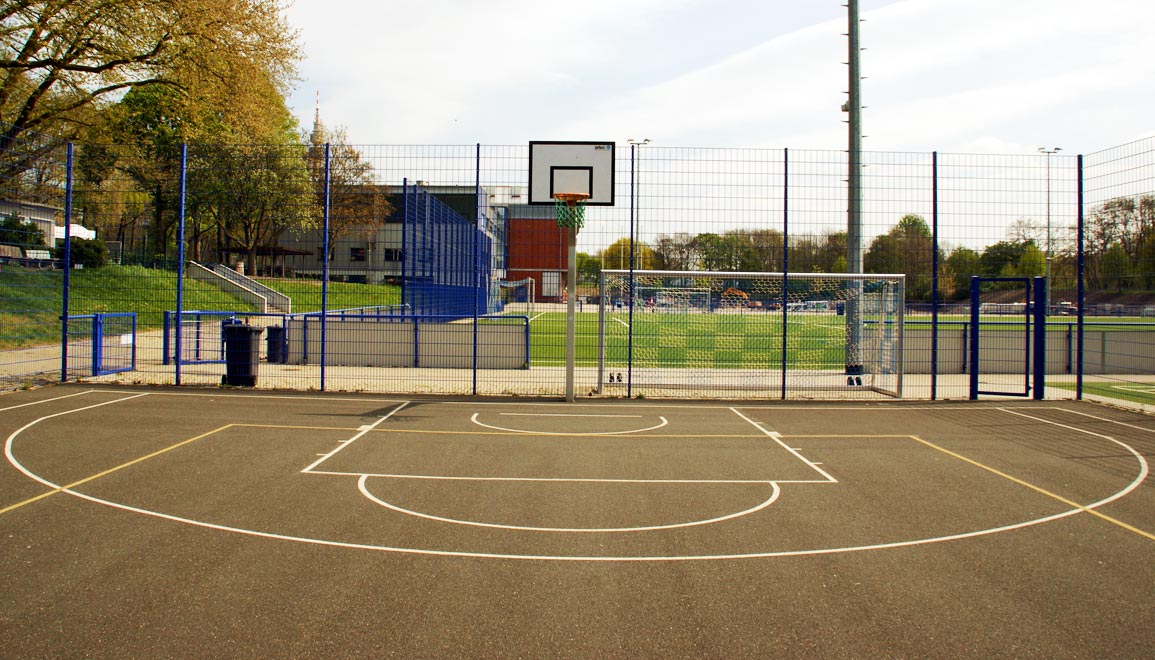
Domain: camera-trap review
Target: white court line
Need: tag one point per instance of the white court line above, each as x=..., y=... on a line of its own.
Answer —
x=605, y=433
x=361, y=431
x=58, y=398
x=775, y=491
x=1113, y=421
x=622, y=322
x=508, y=414
x=576, y=480
x=777, y=437
x=560, y=558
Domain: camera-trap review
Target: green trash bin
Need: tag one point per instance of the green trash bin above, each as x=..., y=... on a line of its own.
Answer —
x=242, y=353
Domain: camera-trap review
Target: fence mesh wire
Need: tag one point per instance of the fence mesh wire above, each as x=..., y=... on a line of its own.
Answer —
x=387, y=268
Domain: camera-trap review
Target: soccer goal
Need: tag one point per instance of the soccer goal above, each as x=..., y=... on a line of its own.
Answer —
x=750, y=334
x=518, y=296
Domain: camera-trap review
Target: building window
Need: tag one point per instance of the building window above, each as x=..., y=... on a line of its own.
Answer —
x=356, y=254
x=392, y=254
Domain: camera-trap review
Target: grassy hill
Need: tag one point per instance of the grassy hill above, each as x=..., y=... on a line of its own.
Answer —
x=31, y=299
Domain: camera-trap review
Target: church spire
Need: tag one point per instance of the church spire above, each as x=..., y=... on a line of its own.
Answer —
x=318, y=136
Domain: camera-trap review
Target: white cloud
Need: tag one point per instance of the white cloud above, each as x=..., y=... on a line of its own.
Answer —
x=942, y=74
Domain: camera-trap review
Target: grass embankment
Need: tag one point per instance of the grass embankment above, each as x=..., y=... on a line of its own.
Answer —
x=306, y=294
x=31, y=301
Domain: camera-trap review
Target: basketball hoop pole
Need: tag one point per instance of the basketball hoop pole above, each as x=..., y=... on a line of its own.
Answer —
x=570, y=215
x=570, y=315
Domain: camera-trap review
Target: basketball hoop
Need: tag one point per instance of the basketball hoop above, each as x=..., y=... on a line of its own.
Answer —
x=570, y=209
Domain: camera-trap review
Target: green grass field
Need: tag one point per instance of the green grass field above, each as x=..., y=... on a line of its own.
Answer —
x=712, y=341
x=1134, y=392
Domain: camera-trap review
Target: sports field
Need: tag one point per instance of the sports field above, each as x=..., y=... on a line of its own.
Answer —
x=710, y=340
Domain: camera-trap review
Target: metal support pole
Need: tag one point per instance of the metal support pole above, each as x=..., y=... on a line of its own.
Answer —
x=325, y=270
x=934, y=278
x=1082, y=293
x=570, y=317
x=67, y=264
x=1039, y=347
x=854, y=198
x=785, y=259
x=976, y=295
x=180, y=257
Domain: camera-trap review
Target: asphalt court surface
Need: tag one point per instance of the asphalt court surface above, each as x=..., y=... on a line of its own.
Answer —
x=882, y=530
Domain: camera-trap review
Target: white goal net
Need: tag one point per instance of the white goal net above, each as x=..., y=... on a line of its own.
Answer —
x=517, y=296
x=768, y=335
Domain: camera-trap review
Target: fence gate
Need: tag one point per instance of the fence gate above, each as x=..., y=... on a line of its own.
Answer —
x=1004, y=336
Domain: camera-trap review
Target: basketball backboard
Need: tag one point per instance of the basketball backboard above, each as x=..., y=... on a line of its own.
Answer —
x=571, y=167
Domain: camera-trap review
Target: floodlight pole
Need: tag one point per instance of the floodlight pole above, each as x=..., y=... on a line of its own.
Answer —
x=853, y=108
x=1049, y=152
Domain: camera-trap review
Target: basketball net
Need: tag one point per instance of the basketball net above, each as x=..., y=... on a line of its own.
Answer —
x=570, y=209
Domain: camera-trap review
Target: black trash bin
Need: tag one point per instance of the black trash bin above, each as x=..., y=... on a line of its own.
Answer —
x=242, y=353
x=276, y=348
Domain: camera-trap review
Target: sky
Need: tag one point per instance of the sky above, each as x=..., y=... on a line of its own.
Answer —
x=972, y=76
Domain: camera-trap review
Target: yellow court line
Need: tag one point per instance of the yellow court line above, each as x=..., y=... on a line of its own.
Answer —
x=111, y=470
x=1037, y=489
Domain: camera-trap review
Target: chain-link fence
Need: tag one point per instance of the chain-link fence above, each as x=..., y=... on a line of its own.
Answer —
x=423, y=269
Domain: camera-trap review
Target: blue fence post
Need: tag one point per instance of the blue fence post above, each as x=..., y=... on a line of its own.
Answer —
x=180, y=257
x=406, y=251
x=166, y=324
x=974, y=338
x=934, y=277
x=65, y=294
x=1040, y=338
x=97, y=343
x=785, y=256
x=1082, y=293
x=134, y=341
x=477, y=270
x=325, y=271
x=630, y=302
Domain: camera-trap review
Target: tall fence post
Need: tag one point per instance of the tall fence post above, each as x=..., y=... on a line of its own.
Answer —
x=477, y=270
x=785, y=256
x=67, y=264
x=976, y=296
x=1039, y=347
x=325, y=272
x=934, y=277
x=1082, y=281
x=180, y=258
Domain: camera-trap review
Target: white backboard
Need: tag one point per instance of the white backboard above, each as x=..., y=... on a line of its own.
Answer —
x=571, y=167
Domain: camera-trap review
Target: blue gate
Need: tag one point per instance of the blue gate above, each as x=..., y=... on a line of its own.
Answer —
x=1011, y=342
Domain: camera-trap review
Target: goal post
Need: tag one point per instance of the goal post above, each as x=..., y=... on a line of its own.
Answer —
x=747, y=334
x=518, y=295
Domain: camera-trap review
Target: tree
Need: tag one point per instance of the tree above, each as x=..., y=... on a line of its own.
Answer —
x=254, y=193
x=588, y=267
x=1032, y=263
x=357, y=207
x=1116, y=270
x=908, y=248
x=1128, y=222
x=617, y=256
x=959, y=267
x=674, y=252
x=998, y=257
x=60, y=59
